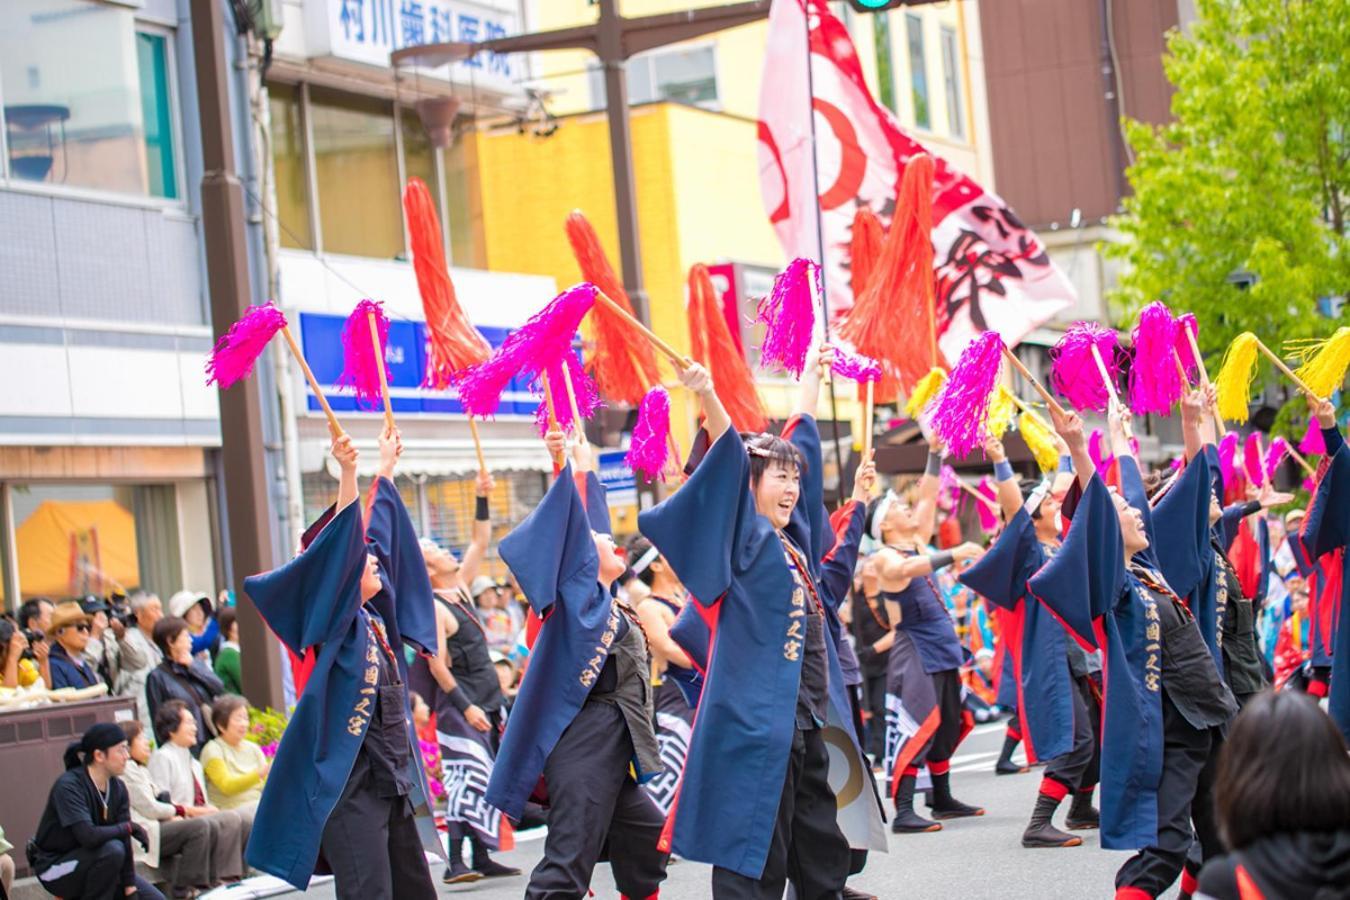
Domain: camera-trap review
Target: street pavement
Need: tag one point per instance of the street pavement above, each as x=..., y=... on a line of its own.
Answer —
x=970, y=859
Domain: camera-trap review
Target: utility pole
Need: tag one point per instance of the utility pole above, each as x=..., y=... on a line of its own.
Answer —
x=613, y=39
x=243, y=451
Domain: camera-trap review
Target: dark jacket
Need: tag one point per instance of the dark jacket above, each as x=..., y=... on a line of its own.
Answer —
x=1308, y=865
x=195, y=685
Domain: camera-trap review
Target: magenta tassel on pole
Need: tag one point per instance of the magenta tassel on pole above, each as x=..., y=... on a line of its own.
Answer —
x=1228, y=446
x=533, y=348
x=855, y=366
x=649, y=451
x=360, y=371
x=1186, y=322
x=1155, y=383
x=1275, y=454
x=789, y=316
x=1097, y=449
x=1253, y=459
x=587, y=394
x=1313, y=444
x=988, y=519
x=960, y=411
x=1074, y=371
x=239, y=348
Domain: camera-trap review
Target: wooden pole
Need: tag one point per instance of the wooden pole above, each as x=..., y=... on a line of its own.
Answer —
x=1303, y=461
x=559, y=460
x=477, y=445
x=869, y=411
x=1288, y=372
x=1110, y=387
x=677, y=359
x=978, y=496
x=334, y=428
x=1220, y=428
x=1031, y=380
x=578, y=425
x=379, y=366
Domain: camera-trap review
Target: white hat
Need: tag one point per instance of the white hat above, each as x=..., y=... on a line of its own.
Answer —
x=182, y=601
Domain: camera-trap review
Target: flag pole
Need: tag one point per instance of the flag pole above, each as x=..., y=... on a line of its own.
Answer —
x=820, y=241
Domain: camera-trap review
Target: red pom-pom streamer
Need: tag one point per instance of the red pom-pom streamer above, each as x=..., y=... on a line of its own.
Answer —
x=649, y=451
x=1155, y=383
x=712, y=345
x=360, y=368
x=1074, y=371
x=961, y=409
x=789, y=317
x=621, y=360
x=864, y=246
x=239, y=348
x=453, y=344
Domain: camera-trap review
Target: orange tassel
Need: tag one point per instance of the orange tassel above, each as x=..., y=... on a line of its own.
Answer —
x=454, y=344
x=712, y=345
x=893, y=319
x=864, y=249
x=621, y=361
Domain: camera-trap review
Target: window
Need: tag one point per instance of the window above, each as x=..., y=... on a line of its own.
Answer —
x=685, y=75
x=87, y=98
x=288, y=164
x=951, y=79
x=918, y=71
x=356, y=169
x=881, y=38
x=419, y=155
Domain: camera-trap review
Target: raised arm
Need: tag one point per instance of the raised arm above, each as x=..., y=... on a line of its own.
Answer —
x=345, y=453
x=925, y=504
x=1009, y=494
x=818, y=362
x=1069, y=427
x=715, y=418
x=481, y=536
x=1192, y=415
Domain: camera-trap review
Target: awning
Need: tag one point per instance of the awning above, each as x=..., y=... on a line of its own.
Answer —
x=437, y=458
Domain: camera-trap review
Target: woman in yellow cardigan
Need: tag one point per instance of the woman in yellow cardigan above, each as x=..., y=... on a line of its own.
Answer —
x=235, y=767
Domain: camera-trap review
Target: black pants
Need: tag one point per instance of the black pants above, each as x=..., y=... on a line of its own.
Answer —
x=596, y=811
x=874, y=701
x=807, y=847
x=371, y=844
x=951, y=717
x=1185, y=798
x=97, y=875
x=185, y=852
x=1080, y=767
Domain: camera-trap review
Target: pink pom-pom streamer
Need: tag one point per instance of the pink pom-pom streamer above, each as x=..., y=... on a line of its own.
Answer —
x=856, y=367
x=1253, y=459
x=585, y=388
x=1275, y=454
x=789, y=317
x=1102, y=457
x=1309, y=485
x=1227, y=457
x=360, y=370
x=1176, y=464
x=535, y=347
x=239, y=348
x=1074, y=372
x=988, y=519
x=948, y=489
x=1186, y=322
x=960, y=411
x=1155, y=383
x=649, y=450
x=1313, y=444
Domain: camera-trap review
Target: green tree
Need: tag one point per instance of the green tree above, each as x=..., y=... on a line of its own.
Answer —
x=1252, y=175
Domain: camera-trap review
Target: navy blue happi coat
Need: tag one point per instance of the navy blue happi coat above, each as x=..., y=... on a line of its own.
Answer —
x=1326, y=530
x=314, y=601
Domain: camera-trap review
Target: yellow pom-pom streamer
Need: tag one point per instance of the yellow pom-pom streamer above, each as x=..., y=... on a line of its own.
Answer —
x=924, y=391
x=1324, y=362
x=1234, y=380
x=1002, y=408
x=1040, y=441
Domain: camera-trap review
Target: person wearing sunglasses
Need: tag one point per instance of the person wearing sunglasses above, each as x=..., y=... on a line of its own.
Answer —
x=69, y=632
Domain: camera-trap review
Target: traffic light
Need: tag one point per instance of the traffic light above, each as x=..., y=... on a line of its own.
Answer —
x=871, y=6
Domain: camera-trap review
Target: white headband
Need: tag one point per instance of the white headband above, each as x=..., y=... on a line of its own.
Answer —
x=645, y=560
x=1038, y=496
x=879, y=514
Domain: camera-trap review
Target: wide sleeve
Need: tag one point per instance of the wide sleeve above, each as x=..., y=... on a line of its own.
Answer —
x=392, y=537
x=839, y=561
x=1180, y=537
x=1231, y=520
x=596, y=500
x=1327, y=525
x=808, y=524
x=1001, y=575
x=551, y=553
x=314, y=597
x=702, y=528
x=1084, y=579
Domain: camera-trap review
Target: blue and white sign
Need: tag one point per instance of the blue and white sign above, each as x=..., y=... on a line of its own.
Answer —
x=619, y=481
x=405, y=362
x=368, y=31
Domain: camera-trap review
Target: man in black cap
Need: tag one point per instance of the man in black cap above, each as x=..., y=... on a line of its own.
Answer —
x=83, y=844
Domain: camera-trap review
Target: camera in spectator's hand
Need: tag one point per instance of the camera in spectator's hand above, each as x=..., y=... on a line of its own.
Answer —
x=33, y=636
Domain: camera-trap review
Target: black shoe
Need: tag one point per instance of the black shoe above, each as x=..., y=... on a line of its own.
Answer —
x=1009, y=768
x=855, y=894
x=490, y=868
x=945, y=806
x=1082, y=815
x=1040, y=832
x=458, y=873
x=906, y=820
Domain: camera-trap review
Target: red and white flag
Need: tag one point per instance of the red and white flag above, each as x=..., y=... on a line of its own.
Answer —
x=992, y=272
